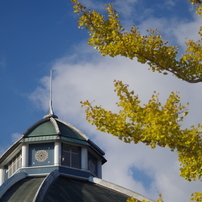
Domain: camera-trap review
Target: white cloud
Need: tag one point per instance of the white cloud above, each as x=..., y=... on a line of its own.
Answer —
x=188, y=30
x=125, y=8
x=15, y=136
x=174, y=30
x=170, y=2
x=93, y=80
x=93, y=4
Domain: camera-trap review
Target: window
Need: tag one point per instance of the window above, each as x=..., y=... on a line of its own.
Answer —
x=71, y=156
x=14, y=165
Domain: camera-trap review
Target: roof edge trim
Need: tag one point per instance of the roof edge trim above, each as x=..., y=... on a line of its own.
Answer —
x=96, y=147
x=13, y=146
x=71, y=126
x=45, y=185
x=11, y=181
x=55, y=125
x=118, y=188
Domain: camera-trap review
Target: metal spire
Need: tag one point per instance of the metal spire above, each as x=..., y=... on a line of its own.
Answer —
x=50, y=111
x=50, y=101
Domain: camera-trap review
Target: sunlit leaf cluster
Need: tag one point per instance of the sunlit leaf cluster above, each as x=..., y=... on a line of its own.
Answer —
x=153, y=124
x=197, y=3
x=109, y=37
x=197, y=196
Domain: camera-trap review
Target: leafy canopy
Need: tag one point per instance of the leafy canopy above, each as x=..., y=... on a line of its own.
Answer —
x=153, y=123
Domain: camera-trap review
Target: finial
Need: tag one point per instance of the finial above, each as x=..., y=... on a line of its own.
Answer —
x=50, y=101
x=50, y=113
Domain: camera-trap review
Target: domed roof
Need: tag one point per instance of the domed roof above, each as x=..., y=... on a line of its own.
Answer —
x=50, y=128
x=57, y=187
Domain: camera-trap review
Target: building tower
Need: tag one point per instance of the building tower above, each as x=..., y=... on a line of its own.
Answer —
x=54, y=161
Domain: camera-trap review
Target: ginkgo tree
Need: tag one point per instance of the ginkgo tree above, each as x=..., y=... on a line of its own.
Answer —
x=153, y=124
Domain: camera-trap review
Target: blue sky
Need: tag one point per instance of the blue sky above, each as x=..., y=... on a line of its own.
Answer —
x=37, y=36
x=33, y=34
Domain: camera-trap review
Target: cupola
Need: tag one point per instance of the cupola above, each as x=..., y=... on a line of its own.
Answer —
x=52, y=144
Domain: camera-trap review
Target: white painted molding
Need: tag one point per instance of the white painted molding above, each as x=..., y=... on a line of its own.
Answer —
x=24, y=155
x=2, y=176
x=84, y=158
x=57, y=154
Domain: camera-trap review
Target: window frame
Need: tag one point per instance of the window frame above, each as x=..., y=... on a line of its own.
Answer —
x=71, y=158
x=14, y=164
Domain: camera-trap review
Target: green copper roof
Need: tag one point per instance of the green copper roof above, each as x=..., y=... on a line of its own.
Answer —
x=68, y=131
x=46, y=128
x=53, y=127
x=23, y=191
x=72, y=190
